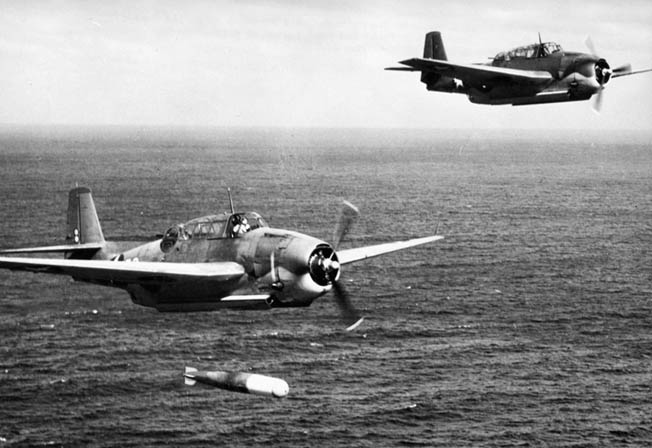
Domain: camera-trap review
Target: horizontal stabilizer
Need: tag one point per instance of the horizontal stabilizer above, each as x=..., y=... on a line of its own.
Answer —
x=55, y=249
x=403, y=69
x=361, y=253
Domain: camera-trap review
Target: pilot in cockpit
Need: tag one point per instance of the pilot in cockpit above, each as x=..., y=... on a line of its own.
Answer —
x=543, y=51
x=240, y=225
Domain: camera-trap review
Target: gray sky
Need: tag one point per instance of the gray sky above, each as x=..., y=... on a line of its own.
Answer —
x=298, y=63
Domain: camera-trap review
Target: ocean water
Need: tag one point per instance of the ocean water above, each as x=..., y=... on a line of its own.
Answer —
x=530, y=324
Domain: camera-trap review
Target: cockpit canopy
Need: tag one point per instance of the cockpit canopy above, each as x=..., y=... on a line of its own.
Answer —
x=226, y=225
x=530, y=51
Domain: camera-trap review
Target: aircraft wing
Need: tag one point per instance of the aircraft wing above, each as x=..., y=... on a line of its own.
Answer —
x=475, y=74
x=630, y=72
x=61, y=248
x=361, y=253
x=125, y=272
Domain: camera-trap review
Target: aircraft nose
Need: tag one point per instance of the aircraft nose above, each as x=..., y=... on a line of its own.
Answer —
x=602, y=71
x=323, y=265
x=593, y=85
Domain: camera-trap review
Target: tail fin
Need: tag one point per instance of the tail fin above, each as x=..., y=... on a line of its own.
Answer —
x=188, y=377
x=434, y=47
x=84, y=235
x=83, y=223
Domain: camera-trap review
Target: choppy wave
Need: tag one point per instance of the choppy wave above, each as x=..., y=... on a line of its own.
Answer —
x=528, y=325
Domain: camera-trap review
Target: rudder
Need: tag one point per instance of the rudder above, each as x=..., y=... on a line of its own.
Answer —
x=83, y=225
x=434, y=47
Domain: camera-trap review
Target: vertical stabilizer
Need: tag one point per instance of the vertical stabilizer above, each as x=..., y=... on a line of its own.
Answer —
x=83, y=223
x=434, y=47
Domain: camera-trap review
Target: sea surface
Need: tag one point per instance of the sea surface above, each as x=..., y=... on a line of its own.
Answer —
x=530, y=324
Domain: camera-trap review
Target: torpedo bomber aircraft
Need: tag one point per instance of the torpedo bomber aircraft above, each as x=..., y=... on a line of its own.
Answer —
x=230, y=260
x=533, y=74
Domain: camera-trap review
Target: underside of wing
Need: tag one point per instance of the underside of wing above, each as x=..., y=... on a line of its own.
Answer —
x=477, y=74
x=124, y=272
x=240, y=302
x=361, y=253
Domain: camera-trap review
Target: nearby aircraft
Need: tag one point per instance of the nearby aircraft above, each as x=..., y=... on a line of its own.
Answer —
x=539, y=73
x=231, y=260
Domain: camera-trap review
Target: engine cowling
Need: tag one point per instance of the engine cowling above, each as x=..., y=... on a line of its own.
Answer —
x=602, y=71
x=297, y=268
x=324, y=265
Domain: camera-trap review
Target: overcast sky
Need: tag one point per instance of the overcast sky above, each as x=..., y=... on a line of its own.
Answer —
x=298, y=63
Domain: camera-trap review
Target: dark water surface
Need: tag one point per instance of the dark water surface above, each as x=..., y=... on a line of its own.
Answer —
x=529, y=325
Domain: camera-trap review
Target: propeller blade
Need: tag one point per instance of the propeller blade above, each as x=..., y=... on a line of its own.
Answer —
x=350, y=315
x=623, y=69
x=348, y=216
x=589, y=44
x=597, y=103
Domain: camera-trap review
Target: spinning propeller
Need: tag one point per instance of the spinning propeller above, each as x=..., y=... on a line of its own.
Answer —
x=311, y=267
x=324, y=267
x=350, y=315
x=603, y=73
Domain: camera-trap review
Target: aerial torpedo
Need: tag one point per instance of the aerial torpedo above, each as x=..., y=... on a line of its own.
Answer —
x=251, y=383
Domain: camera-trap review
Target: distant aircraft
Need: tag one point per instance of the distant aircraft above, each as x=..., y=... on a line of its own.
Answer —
x=231, y=260
x=533, y=74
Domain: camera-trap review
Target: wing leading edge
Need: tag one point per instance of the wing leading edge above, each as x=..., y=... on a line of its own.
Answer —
x=474, y=74
x=361, y=253
x=125, y=271
x=60, y=248
x=631, y=72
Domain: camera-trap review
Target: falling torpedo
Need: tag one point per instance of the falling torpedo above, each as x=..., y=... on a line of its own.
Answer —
x=251, y=383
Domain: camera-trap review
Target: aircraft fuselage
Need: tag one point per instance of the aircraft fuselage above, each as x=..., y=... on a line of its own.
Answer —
x=572, y=79
x=275, y=262
x=532, y=74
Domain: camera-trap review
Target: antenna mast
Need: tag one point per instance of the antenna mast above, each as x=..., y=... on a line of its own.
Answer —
x=228, y=190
